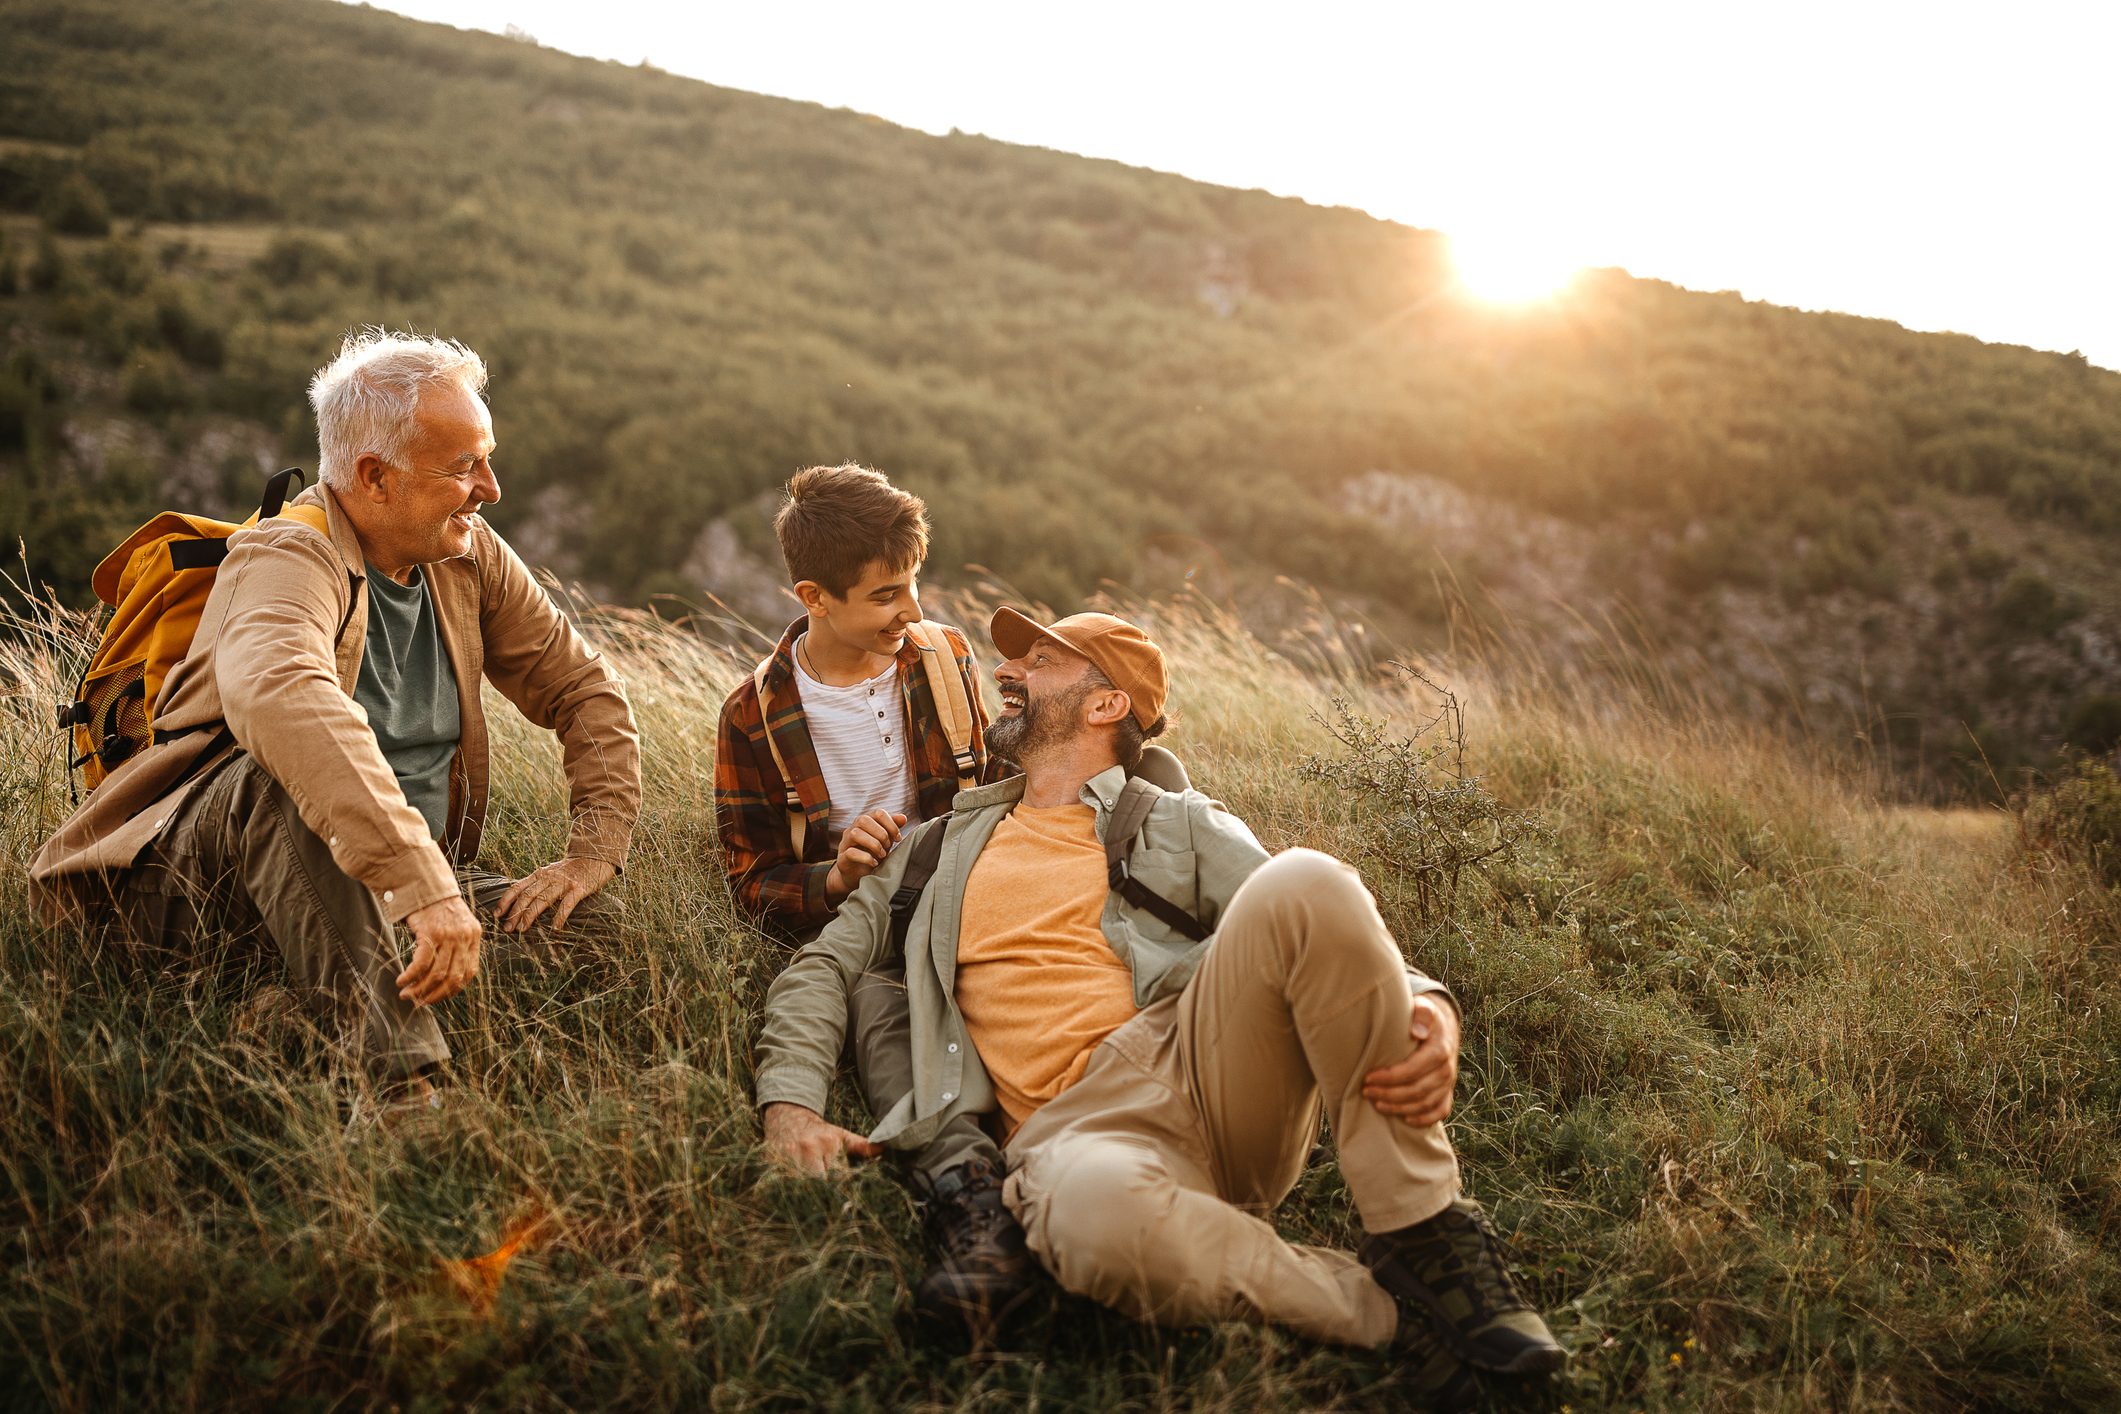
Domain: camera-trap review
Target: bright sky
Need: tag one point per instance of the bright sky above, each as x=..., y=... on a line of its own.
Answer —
x=1946, y=165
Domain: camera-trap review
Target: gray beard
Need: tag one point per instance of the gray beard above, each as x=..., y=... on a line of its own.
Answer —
x=1044, y=723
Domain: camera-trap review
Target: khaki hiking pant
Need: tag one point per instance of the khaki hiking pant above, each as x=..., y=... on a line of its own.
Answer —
x=1146, y=1184
x=239, y=862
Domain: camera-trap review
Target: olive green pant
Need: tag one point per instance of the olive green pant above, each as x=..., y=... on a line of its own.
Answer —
x=238, y=863
x=1146, y=1185
x=880, y=1033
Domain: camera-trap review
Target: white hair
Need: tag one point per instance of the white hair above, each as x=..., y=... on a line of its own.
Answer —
x=366, y=398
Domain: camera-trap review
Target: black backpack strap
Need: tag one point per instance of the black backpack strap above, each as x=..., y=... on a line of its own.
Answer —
x=1135, y=799
x=206, y=553
x=926, y=852
x=276, y=491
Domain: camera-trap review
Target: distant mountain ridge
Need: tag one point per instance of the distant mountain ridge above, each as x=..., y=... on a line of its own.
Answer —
x=686, y=292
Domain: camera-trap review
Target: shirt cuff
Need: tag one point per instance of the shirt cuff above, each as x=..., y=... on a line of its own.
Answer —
x=816, y=907
x=412, y=881
x=599, y=837
x=793, y=1085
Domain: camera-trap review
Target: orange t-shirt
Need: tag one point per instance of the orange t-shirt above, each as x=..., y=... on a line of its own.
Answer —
x=1036, y=980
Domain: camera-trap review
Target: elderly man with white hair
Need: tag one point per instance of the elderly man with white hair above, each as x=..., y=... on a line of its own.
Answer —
x=319, y=772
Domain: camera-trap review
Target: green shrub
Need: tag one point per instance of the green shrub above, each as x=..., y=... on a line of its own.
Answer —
x=2029, y=604
x=2094, y=724
x=2079, y=819
x=188, y=325
x=155, y=384
x=1428, y=821
x=75, y=208
x=52, y=270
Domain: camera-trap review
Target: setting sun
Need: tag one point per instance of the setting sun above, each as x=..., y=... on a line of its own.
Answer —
x=1507, y=268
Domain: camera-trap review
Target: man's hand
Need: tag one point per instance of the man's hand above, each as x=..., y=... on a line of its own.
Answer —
x=1418, y=1089
x=867, y=840
x=445, y=951
x=559, y=886
x=802, y=1138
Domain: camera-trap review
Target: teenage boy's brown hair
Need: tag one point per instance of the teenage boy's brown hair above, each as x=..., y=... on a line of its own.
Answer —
x=839, y=519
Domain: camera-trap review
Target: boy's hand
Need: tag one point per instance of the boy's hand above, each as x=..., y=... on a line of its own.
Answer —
x=868, y=839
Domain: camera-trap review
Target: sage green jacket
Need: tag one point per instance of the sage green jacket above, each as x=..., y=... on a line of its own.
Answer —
x=1190, y=850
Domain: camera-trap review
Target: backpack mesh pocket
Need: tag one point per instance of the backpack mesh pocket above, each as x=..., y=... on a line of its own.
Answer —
x=111, y=720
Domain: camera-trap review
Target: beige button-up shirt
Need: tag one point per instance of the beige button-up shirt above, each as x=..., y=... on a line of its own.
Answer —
x=276, y=656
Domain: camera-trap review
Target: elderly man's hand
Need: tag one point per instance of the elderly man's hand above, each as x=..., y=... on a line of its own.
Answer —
x=557, y=886
x=445, y=951
x=867, y=840
x=802, y=1139
x=1418, y=1089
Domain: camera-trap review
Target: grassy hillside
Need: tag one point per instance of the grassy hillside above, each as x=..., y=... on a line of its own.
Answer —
x=1093, y=372
x=1789, y=1103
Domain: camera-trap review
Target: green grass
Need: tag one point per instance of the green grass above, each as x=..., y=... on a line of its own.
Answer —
x=1789, y=1103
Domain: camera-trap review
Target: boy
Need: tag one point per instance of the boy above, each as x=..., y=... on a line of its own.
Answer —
x=852, y=706
x=859, y=752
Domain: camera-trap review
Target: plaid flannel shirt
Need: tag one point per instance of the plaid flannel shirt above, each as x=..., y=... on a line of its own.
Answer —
x=751, y=816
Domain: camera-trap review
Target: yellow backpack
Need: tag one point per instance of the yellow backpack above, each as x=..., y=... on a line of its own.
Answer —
x=156, y=583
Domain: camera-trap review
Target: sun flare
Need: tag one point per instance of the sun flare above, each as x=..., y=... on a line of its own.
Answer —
x=1508, y=269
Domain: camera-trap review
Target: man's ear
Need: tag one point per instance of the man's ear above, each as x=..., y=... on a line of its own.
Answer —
x=1107, y=707
x=371, y=475
x=814, y=596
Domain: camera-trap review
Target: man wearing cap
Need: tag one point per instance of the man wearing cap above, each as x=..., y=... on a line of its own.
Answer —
x=1156, y=1095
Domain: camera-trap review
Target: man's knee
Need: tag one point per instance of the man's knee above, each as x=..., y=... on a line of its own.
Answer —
x=1308, y=874
x=1308, y=897
x=1092, y=1210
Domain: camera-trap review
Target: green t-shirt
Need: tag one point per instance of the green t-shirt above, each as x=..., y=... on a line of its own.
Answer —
x=408, y=687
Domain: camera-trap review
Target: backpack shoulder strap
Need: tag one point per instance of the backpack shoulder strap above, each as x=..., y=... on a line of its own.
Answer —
x=947, y=686
x=311, y=516
x=1135, y=800
x=926, y=847
x=798, y=818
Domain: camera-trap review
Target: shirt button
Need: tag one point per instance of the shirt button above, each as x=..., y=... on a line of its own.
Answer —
x=388, y=895
x=953, y=1048
x=334, y=841
x=887, y=741
x=158, y=823
x=948, y=1097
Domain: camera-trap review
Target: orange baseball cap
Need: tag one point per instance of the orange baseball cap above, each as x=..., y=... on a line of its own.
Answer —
x=1122, y=652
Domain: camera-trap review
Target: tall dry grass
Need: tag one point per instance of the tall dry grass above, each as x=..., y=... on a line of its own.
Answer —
x=1790, y=1101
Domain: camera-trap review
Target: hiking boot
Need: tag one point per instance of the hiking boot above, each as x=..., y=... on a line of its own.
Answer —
x=1451, y=1268
x=986, y=1271
x=1427, y=1366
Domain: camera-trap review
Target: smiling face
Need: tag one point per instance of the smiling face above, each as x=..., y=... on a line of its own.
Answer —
x=870, y=619
x=422, y=512
x=1043, y=693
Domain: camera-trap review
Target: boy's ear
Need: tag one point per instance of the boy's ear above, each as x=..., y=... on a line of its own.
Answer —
x=814, y=596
